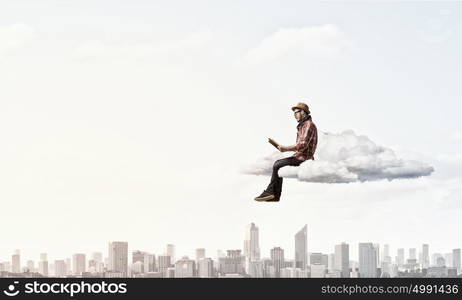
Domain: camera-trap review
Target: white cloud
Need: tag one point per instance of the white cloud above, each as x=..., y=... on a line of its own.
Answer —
x=15, y=36
x=345, y=157
x=99, y=50
x=323, y=41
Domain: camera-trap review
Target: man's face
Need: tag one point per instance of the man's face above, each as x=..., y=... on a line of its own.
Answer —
x=298, y=114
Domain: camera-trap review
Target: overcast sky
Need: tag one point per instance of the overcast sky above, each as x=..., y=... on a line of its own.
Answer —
x=131, y=120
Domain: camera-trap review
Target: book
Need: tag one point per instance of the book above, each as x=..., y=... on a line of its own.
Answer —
x=273, y=142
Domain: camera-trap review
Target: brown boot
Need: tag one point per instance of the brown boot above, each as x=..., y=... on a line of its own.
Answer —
x=265, y=196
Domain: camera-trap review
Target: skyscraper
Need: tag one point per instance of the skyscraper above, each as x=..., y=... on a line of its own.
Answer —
x=200, y=254
x=456, y=259
x=171, y=252
x=233, y=263
x=60, y=268
x=185, y=267
x=16, y=262
x=342, y=259
x=400, y=257
x=301, y=248
x=205, y=268
x=118, y=257
x=425, y=256
x=367, y=260
x=78, y=263
x=251, y=243
x=277, y=257
x=164, y=262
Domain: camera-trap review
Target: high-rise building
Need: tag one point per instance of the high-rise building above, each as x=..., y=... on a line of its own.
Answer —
x=185, y=267
x=301, y=248
x=412, y=253
x=205, y=268
x=171, y=252
x=456, y=259
x=342, y=259
x=43, y=264
x=277, y=257
x=60, y=268
x=425, y=256
x=251, y=243
x=16, y=262
x=367, y=260
x=232, y=263
x=118, y=258
x=31, y=265
x=400, y=257
x=200, y=254
x=164, y=262
x=97, y=257
x=78, y=263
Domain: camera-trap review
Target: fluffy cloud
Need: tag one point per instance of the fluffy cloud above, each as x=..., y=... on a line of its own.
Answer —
x=342, y=158
x=316, y=41
x=15, y=36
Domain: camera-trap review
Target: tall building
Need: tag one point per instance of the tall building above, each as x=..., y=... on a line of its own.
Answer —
x=277, y=257
x=425, y=256
x=16, y=262
x=138, y=256
x=78, y=263
x=232, y=263
x=171, y=252
x=200, y=254
x=251, y=243
x=301, y=248
x=43, y=264
x=205, y=268
x=412, y=253
x=400, y=257
x=31, y=265
x=97, y=257
x=367, y=260
x=342, y=259
x=456, y=259
x=60, y=268
x=185, y=267
x=164, y=262
x=118, y=258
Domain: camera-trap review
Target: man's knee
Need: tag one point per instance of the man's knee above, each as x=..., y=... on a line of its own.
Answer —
x=278, y=164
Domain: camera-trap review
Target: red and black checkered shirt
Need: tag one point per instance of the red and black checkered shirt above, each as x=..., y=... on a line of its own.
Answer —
x=307, y=140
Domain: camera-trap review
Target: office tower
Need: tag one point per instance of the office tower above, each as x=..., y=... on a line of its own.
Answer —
x=317, y=258
x=149, y=262
x=412, y=253
x=277, y=257
x=256, y=269
x=367, y=260
x=435, y=257
x=60, y=268
x=164, y=262
x=43, y=264
x=97, y=257
x=400, y=257
x=68, y=266
x=331, y=262
x=425, y=256
x=318, y=270
x=377, y=254
x=232, y=263
x=200, y=254
x=78, y=263
x=118, y=258
x=448, y=259
x=16, y=262
x=138, y=256
x=185, y=267
x=205, y=268
x=456, y=259
x=171, y=252
x=342, y=259
x=301, y=248
x=31, y=265
x=251, y=243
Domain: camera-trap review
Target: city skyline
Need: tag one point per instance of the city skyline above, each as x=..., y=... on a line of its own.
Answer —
x=121, y=262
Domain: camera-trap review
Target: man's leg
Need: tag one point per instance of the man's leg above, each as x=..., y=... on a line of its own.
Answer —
x=275, y=185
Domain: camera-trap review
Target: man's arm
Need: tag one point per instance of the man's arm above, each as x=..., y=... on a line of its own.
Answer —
x=301, y=145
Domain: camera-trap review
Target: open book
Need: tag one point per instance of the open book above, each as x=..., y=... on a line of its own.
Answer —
x=273, y=142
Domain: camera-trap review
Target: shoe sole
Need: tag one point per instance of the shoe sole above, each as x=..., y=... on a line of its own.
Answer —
x=267, y=198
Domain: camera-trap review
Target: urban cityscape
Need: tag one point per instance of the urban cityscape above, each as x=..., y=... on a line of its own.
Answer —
x=374, y=261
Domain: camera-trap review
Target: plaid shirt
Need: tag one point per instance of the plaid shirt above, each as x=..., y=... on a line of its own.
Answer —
x=307, y=139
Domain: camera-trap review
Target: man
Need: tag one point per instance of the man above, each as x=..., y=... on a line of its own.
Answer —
x=307, y=139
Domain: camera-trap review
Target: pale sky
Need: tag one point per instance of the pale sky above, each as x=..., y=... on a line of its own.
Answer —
x=130, y=120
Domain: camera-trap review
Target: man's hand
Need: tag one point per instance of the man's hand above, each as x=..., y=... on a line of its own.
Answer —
x=282, y=148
